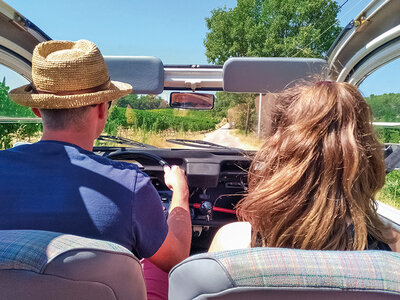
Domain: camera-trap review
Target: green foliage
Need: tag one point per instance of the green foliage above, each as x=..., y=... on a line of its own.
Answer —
x=130, y=116
x=9, y=108
x=260, y=28
x=159, y=120
x=131, y=100
x=235, y=107
x=224, y=101
x=385, y=108
x=163, y=119
x=142, y=102
x=244, y=116
x=388, y=135
x=290, y=28
x=116, y=118
x=17, y=131
x=390, y=193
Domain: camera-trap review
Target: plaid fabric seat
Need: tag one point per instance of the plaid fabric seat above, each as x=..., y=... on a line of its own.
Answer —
x=32, y=250
x=274, y=269
x=39, y=265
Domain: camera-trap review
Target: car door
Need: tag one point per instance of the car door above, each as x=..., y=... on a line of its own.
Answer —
x=368, y=43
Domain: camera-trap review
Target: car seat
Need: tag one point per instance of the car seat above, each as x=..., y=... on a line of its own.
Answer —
x=276, y=273
x=48, y=265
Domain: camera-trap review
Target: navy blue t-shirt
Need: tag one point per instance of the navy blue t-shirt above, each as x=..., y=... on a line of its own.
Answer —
x=57, y=186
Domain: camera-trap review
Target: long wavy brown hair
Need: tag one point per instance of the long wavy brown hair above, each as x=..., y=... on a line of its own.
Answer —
x=312, y=184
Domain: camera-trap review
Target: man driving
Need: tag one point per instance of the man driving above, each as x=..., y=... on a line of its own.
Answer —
x=58, y=184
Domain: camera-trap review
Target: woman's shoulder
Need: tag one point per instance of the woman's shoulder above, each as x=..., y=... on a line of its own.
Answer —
x=236, y=235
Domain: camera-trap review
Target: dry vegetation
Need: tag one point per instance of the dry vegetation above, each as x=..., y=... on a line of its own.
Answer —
x=157, y=139
x=250, y=141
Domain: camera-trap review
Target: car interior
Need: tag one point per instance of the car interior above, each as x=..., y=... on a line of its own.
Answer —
x=49, y=265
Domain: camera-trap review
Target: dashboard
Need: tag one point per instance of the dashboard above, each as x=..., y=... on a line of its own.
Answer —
x=217, y=180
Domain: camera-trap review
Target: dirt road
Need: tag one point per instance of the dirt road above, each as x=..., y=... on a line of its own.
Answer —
x=223, y=137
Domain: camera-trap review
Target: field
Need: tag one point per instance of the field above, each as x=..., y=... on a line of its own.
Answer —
x=146, y=126
x=158, y=120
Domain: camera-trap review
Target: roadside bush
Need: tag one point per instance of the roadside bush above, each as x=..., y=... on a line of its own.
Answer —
x=163, y=119
x=130, y=115
x=388, y=135
x=237, y=117
x=390, y=193
x=12, y=132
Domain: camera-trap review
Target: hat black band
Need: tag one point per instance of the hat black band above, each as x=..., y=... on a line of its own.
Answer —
x=95, y=89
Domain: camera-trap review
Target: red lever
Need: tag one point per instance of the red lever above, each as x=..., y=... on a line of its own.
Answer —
x=219, y=209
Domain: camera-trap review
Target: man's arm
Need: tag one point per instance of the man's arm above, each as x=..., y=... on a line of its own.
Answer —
x=176, y=246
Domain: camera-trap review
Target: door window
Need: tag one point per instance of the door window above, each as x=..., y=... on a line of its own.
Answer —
x=382, y=91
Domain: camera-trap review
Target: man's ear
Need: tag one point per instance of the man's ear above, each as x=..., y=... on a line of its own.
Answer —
x=102, y=110
x=36, y=112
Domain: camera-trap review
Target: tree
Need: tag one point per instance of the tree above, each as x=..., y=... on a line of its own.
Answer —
x=142, y=102
x=8, y=107
x=10, y=131
x=386, y=107
x=132, y=100
x=292, y=28
x=224, y=102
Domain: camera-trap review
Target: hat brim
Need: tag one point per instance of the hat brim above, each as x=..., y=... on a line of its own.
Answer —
x=27, y=97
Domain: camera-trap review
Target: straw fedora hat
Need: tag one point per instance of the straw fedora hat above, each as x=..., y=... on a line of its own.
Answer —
x=68, y=75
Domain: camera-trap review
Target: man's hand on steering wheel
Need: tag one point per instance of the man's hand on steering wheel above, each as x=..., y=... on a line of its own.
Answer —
x=175, y=179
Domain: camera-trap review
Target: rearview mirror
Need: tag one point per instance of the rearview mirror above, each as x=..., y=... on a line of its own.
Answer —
x=191, y=101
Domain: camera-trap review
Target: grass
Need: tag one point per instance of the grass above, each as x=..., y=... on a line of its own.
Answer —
x=151, y=138
x=157, y=139
x=390, y=193
x=251, y=140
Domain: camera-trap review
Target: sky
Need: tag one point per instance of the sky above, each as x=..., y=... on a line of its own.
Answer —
x=172, y=30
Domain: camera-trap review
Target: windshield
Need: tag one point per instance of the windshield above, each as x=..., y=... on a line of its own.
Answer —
x=148, y=119
x=145, y=120
x=236, y=120
x=178, y=33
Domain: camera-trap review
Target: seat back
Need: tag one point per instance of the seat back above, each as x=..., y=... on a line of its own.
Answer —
x=273, y=273
x=48, y=265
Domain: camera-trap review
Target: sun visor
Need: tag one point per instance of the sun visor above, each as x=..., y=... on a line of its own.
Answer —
x=268, y=74
x=144, y=73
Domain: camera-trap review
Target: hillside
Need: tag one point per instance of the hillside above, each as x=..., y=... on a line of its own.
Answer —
x=386, y=107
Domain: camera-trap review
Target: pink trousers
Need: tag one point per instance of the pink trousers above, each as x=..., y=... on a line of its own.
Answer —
x=156, y=281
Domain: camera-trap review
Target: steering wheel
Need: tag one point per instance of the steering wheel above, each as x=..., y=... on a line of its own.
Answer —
x=119, y=155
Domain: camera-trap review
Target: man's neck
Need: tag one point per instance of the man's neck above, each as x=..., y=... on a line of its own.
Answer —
x=79, y=139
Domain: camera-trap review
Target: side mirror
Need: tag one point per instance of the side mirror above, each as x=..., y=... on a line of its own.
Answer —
x=191, y=100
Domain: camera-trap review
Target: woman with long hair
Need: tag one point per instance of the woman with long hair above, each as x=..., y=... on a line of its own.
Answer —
x=313, y=182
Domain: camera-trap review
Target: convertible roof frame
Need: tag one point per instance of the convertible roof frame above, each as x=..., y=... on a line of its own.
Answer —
x=193, y=78
x=370, y=32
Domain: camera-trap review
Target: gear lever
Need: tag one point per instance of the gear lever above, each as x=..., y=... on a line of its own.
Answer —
x=206, y=208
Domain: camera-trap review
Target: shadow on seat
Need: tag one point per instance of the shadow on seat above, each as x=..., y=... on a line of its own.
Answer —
x=273, y=273
x=47, y=265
